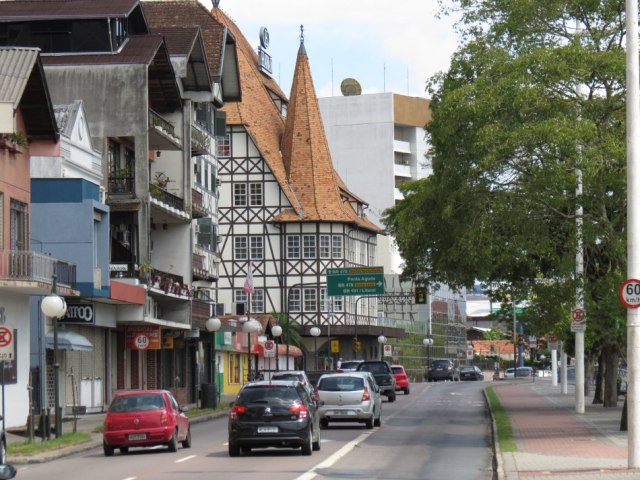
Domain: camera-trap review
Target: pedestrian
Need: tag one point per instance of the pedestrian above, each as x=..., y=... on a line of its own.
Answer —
x=339, y=363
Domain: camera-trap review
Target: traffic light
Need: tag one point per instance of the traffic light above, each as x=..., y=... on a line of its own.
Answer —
x=421, y=295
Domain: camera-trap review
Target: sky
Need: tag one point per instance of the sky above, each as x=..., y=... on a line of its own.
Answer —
x=388, y=46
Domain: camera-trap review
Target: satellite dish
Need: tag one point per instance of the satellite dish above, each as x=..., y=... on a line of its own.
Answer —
x=350, y=86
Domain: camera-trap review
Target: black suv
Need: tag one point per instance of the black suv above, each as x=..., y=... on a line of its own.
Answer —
x=442, y=369
x=383, y=374
x=276, y=413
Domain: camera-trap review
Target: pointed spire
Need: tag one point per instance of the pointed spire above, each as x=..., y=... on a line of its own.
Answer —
x=302, y=49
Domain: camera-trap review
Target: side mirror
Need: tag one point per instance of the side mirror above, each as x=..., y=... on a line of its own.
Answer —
x=7, y=471
x=184, y=408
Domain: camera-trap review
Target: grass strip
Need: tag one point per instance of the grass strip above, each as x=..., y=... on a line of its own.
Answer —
x=37, y=445
x=504, y=432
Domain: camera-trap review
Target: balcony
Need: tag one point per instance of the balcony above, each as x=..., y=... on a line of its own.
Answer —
x=200, y=141
x=121, y=182
x=198, y=208
x=28, y=272
x=201, y=311
x=162, y=134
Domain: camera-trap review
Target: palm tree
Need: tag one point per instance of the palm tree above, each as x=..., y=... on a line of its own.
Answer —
x=290, y=329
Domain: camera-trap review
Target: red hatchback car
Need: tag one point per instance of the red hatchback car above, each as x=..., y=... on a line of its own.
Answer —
x=402, y=379
x=143, y=418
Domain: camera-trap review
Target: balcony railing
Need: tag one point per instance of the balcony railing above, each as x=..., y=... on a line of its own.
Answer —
x=27, y=265
x=198, y=208
x=165, y=197
x=162, y=133
x=200, y=141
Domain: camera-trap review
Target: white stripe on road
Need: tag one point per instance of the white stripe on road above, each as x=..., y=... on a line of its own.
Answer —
x=185, y=459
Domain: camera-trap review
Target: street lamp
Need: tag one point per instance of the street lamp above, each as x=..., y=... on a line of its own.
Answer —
x=427, y=342
x=54, y=307
x=276, y=331
x=315, y=333
x=212, y=325
x=382, y=340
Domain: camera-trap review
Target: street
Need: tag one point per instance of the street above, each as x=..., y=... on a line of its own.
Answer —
x=440, y=430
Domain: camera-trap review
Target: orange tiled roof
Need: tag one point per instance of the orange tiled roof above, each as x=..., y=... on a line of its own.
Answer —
x=493, y=347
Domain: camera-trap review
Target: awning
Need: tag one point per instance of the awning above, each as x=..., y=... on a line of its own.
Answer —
x=70, y=341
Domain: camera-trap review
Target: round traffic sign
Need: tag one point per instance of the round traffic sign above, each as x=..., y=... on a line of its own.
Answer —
x=6, y=336
x=577, y=315
x=630, y=293
x=268, y=345
x=142, y=342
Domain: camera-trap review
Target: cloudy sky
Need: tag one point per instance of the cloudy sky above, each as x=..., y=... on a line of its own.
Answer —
x=391, y=46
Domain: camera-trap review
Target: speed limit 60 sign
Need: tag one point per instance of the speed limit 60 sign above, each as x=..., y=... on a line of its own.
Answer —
x=630, y=293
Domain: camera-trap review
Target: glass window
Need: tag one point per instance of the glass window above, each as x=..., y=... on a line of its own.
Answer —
x=19, y=227
x=309, y=246
x=257, y=248
x=234, y=368
x=325, y=246
x=223, y=145
x=1, y=220
x=294, y=300
x=338, y=304
x=310, y=300
x=336, y=246
x=293, y=246
x=240, y=248
x=240, y=195
x=257, y=301
x=255, y=194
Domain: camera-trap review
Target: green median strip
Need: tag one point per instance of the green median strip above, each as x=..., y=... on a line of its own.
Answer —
x=504, y=432
x=37, y=445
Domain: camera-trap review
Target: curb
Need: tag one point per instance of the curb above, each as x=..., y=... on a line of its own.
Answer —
x=498, y=464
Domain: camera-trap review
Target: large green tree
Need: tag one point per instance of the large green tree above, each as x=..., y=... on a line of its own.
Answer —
x=533, y=97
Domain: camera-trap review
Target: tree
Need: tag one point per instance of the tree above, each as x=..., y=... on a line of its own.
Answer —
x=534, y=95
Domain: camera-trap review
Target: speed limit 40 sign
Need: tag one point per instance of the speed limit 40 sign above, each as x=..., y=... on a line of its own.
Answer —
x=630, y=293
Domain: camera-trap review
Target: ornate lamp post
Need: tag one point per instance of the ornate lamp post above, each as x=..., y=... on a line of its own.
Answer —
x=276, y=331
x=315, y=333
x=427, y=342
x=250, y=326
x=382, y=340
x=212, y=325
x=54, y=307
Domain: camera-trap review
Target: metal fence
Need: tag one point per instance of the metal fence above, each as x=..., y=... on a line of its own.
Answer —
x=28, y=265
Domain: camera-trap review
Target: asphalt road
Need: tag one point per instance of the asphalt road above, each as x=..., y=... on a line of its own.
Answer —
x=439, y=431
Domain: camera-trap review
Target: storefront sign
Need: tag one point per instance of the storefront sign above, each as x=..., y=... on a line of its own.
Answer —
x=143, y=337
x=80, y=313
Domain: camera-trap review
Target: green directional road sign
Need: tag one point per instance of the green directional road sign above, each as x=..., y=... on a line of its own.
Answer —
x=355, y=281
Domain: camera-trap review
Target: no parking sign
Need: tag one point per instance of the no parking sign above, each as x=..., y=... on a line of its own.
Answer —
x=7, y=344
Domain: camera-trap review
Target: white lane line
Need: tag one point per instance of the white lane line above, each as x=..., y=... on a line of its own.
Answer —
x=130, y=478
x=189, y=457
x=335, y=457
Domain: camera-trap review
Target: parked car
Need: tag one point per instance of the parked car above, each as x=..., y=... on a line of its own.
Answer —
x=522, y=372
x=143, y=418
x=402, y=379
x=471, y=372
x=349, y=397
x=274, y=413
x=299, y=375
x=442, y=369
x=349, y=366
x=381, y=371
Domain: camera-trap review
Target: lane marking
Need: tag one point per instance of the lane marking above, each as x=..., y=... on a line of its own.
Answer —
x=189, y=457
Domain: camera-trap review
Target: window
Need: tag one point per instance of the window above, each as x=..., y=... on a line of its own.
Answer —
x=310, y=300
x=1, y=220
x=293, y=246
x=309, y=246
x=255, y=194
x=239, y=195
x=336, y=246
x=207, y=234
x=234, y=368
x=257, y=299
x=338, y=305
x=223, y=145
x=19, y=228
x=325, y=246
x=240, y=248
x=257, y=248
x=294, y=300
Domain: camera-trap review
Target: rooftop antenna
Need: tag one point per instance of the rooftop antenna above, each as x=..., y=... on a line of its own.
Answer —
x=301, y=33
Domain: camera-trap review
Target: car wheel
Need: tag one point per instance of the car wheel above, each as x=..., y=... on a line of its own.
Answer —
x=406, y=390
x=324, y=423
x=108, y=450
x=369, y=423
x=186, y=443
x=378, y=421
x=124, y=449
x=391, y=397
x=173, y=443
x=234, y=450
x=316, y=444
x=307, y=447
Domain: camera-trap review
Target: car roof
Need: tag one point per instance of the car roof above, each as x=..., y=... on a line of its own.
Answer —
x=125, y=393
x=272, y=383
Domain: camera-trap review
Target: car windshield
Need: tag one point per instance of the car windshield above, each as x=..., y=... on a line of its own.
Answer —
x=268, y=394
x=137, y=403
x=349, y=364
x=467, y=369
x=341, y=384
x=397, y=369
x=440, y=363
x=372, y=367
x=286, y=376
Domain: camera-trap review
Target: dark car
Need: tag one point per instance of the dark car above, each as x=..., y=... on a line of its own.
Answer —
x=276, y=413
x=471, y=373
x=442, y=369
x=143, y=418
x=383, y=374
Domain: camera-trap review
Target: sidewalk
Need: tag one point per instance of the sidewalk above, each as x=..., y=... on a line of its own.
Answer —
x=89, y=423
x=554, y=442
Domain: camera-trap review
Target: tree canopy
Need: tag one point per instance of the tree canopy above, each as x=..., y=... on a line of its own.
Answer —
x=534, y=99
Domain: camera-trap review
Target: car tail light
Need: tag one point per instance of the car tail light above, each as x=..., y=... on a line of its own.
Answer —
x=339, y=370
x=164, y=418
x=107, y=423
x=236, y=410
x=300, y=409
x=365, y=395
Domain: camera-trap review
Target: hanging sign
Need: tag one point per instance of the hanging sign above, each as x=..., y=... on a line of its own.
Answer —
x=142, y=337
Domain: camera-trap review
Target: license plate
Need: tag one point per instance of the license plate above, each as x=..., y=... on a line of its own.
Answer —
x=138, y=436
x=267, y=429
